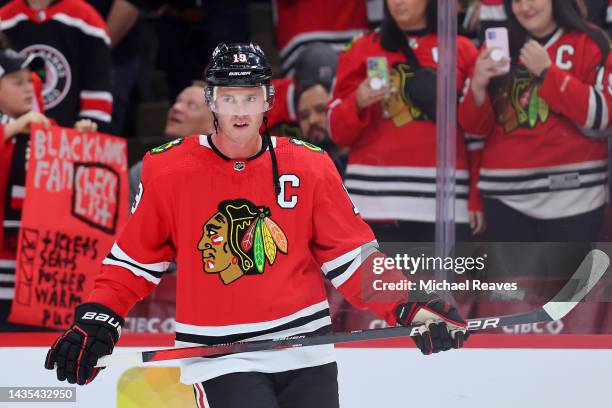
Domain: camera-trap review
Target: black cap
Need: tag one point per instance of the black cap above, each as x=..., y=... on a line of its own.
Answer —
x=238, y=65
x=11, y=61
x=316, y=65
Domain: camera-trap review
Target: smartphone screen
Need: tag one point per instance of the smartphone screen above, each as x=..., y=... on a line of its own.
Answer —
x=378, y=72
x=497, y=39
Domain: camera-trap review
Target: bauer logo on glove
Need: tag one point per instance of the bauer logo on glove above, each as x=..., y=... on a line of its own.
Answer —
x=94, y=333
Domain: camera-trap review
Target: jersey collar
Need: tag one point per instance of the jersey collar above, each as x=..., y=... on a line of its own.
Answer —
x=206, y=141
x=552, y=38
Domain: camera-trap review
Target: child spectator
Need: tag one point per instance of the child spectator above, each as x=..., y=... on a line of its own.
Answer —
x=17, y=98
x=72, y=38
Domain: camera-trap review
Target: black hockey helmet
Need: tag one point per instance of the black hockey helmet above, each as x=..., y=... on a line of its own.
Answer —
x=238, y=65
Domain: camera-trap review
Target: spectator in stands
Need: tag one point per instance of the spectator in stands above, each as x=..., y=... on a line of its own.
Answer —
x=301, y=101
x=335, y=22
x=188, y=116
x=71, y=36
x=315, y=72
x=17, y=99
x=544, y=166
x=282, y=118
x=124, y=31
x=390, y=130
x=491, y=13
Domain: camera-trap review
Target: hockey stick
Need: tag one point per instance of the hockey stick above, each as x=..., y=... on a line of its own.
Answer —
x=584, y=279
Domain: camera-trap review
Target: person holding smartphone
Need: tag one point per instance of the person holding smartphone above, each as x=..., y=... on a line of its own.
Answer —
x=389, y=124
x=544, y=165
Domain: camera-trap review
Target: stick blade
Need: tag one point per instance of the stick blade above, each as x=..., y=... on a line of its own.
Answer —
x=590, y=271
x=114, y=359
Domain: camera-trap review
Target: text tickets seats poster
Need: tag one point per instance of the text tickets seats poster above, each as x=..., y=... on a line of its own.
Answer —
x=76, y=199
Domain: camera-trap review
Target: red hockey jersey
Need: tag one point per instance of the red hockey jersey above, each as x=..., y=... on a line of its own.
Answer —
x=249, y=262
x=300, y=22
x=391, y=172
x=71, y=36
x=542, y=155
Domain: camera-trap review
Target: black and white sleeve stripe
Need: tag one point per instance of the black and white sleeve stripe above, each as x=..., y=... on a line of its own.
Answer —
x=339, y=270
x=151, y=272
x=597, y=115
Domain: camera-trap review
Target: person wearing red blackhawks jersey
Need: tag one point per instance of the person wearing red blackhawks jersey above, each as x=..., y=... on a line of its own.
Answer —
x=255, y=224
x=72, y=38
x=391, y=130
x=301, y=22
x=545, y=164
x=493, y=14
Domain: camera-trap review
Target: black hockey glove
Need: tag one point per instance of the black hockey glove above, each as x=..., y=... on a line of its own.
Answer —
x=442, y=328
x=93, y=334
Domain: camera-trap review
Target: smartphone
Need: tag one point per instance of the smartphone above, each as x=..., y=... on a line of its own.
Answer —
x=497, y=40
x=378, y=72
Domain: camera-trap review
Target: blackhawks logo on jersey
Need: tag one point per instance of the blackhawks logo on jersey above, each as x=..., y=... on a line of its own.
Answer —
x=166, y=146
x=399, y=107
x=240, y=239
x=517, y=103
x=306, y=144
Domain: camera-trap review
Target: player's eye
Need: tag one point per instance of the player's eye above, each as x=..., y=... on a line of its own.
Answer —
x=227, y=99
x=251, y=98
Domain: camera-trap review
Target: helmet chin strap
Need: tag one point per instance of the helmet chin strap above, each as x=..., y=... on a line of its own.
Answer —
x=275, y=181
x=215, y=122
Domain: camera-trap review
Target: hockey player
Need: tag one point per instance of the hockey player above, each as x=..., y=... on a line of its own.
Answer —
x=255, y=224
x=544, y=165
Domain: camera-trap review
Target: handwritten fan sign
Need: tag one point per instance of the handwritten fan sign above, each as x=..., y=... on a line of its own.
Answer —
x=76, y=198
